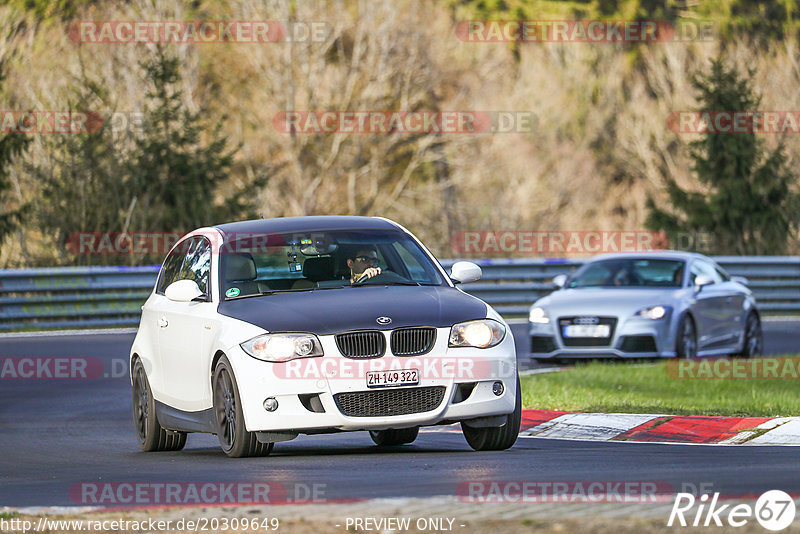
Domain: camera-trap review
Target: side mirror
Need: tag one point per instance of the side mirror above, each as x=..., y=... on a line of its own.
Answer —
x=464, y=272
x=740, y=280
x=702, y=280
x=183, y=291
x=559, y=280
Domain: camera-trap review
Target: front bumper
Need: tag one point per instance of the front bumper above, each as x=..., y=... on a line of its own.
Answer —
x=632, y=337
x=306, y=389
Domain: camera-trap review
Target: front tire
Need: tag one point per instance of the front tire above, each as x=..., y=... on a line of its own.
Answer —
x=399, y=436
x=235, y=440
x=753, y=343
x=686, y=342
x=496, y=438
x=152, y=437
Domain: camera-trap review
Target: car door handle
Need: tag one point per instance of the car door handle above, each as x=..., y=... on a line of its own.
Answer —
x=162, y=322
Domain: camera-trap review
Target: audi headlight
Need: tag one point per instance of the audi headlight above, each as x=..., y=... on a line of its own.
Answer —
x=283, y=347
x=538, y=316
x=482, y=334
x=654, y=312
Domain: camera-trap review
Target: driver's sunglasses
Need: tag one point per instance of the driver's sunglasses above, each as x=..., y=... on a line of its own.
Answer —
x=367, y=259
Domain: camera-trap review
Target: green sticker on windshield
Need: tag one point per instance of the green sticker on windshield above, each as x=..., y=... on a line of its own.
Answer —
x=232, y=292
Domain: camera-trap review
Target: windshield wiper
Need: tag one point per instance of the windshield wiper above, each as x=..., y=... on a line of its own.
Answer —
x=297, y=289
x=273, y=291
x=394, y=283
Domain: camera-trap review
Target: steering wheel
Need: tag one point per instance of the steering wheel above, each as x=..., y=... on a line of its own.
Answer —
x=382, y=278
x=626, y=278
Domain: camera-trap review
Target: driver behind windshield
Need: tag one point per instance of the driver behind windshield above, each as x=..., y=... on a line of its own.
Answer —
x=362, y=264
x=624, y=277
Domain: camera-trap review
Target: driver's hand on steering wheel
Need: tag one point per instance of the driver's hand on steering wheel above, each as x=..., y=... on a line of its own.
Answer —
x=369, y=273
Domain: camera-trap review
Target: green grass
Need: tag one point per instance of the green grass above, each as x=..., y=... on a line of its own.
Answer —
x=637, y=388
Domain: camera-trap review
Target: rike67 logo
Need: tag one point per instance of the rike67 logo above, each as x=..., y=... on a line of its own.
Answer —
x=774, y=510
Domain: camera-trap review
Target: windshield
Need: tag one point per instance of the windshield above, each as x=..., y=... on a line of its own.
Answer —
x=306, y=261
x=629, y=272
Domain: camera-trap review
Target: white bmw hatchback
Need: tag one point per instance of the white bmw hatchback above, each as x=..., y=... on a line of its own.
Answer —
x=259, y=331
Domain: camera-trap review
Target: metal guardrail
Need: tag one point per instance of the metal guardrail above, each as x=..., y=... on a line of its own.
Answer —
x=91, y=297
x=73, y=297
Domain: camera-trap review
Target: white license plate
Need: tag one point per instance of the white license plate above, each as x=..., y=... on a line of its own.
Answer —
x=587, y=330
x=385, y=379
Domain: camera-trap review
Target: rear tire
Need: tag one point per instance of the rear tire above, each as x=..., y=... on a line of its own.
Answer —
x=395, y=436
x=152, y=437
x=235, y=440
x=686, y=338
x=753, y=343
x=496, y=438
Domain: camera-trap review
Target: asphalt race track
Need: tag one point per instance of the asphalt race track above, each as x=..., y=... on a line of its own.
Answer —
x=55, y=434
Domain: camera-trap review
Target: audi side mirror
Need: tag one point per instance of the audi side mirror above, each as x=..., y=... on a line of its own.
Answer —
x=702, y=280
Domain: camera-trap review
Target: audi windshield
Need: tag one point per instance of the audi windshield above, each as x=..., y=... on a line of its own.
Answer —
x=629, y=272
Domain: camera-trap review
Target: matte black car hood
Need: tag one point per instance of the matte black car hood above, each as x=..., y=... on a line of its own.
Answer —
x=329, y=311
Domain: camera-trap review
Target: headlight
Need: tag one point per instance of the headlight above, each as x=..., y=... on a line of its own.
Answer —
x=538, y=315
x=283, y=347
x=482, y=334
x=654, y=313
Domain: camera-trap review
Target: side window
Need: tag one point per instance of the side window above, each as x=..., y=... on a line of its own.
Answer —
x=712, y=272
x=701, y=267
x=198, y=264
x=415, y=270
x=596, y=274
x=694, y=272
x=171, y=268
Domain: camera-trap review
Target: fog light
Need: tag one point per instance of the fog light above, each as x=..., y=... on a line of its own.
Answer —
x=497, y=388
x=270, y=404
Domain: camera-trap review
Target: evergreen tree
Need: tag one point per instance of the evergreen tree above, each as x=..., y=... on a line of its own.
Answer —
x=163, y=178
x=82, y=181
x=175, y=173
x=751, y=203
x=11, y=145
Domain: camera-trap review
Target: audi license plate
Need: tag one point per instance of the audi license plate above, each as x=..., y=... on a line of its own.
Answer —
x=385, y=379
x=587, y=330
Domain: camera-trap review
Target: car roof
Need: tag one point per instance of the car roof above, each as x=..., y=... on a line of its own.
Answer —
x=653, y=254
x=305, y=224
